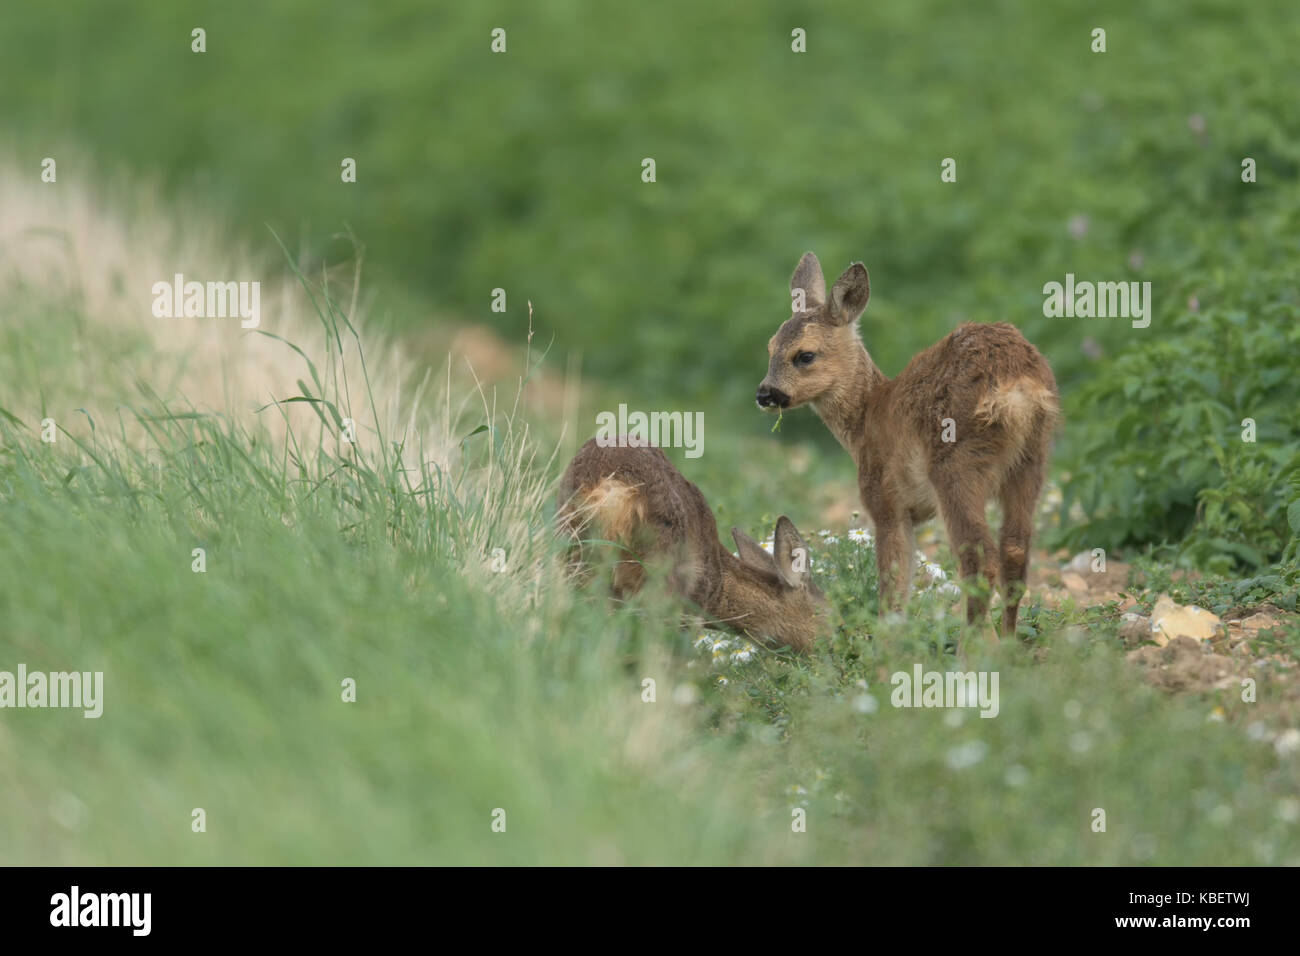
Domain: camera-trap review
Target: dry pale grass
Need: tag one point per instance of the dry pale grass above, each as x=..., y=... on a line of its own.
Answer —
x=63, y=243
x=78, y=267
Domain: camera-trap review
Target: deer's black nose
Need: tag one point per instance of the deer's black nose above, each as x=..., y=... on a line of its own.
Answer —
x=767, y=397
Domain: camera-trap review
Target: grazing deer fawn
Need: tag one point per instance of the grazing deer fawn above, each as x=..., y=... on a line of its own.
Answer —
x=633, y=497
x=969, y=418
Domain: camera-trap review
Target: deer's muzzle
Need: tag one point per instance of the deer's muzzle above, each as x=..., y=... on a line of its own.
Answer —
x=768, y=397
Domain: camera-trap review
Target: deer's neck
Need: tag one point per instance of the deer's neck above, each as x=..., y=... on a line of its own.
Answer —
x=844, y=407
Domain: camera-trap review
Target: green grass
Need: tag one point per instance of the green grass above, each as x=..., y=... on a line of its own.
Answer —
x=478, y=691
x=223, y=688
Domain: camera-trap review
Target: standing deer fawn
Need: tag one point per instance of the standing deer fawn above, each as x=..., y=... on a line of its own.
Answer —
x=634, y=498
x=969, y=418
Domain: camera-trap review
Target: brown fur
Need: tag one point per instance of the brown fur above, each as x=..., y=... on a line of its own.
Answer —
x=997, y=389
x=635, y=498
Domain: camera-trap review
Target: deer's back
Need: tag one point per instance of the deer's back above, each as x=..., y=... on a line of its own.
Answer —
x=982, y=393
x=636, y=497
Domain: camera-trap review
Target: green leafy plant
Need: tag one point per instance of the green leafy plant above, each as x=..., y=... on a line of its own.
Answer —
x=1191, y=438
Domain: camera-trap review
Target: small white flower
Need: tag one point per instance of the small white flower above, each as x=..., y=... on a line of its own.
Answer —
x=936, y=577
x=1287, y=742
x=967, y=755
x=865, y=704
x=1258, y=732
x=1221, y=815
x=68, y=810
x=1143, y=846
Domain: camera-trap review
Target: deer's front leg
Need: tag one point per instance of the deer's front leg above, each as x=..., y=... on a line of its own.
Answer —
x=893, y=562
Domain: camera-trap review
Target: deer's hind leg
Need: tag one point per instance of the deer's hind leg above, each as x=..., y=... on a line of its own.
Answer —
x=1018, y=497
x=961, y=503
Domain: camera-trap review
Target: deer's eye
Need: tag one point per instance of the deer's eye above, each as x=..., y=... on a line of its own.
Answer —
x=804, y=359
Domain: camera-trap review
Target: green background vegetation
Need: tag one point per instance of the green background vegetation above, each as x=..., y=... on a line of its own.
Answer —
x=523, y=171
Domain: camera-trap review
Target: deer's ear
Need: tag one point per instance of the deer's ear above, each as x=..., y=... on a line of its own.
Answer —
x=808, y=278
x=751, y=552
x=791, y=553
x=850, y=293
